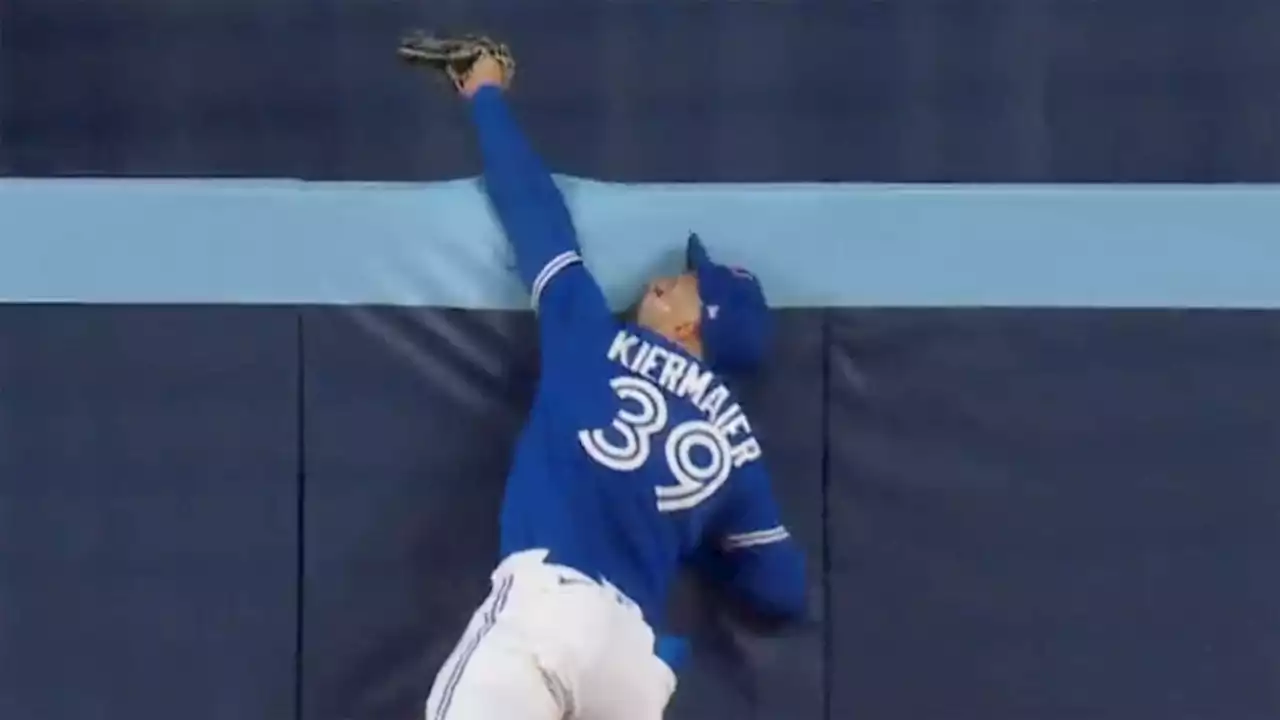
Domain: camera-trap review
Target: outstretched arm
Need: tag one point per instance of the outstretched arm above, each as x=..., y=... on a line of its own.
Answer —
x=751, y=554
x=531, y=210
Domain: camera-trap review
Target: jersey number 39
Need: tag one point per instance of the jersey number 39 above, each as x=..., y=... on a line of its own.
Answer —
x=641, y=422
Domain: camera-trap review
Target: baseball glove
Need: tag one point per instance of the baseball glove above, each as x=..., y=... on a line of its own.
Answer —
x=455, y=56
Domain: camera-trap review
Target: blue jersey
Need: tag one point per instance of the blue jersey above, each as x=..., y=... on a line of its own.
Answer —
x=636, y=457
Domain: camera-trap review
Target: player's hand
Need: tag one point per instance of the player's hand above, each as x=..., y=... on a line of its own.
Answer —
x=485, y=72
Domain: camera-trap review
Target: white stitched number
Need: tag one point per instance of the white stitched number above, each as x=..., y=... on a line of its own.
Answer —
x=694, y=483
x=635, y=429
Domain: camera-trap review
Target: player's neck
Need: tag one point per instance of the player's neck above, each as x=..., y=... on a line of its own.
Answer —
x=691, y=345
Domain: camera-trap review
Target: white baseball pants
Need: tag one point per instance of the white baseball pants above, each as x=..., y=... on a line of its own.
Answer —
x=550, y=643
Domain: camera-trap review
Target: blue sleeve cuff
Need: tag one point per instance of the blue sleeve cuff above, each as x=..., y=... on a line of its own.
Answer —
x=486, y=94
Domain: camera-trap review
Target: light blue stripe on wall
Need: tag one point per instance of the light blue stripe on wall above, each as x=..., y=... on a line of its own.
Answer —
x=208, y=241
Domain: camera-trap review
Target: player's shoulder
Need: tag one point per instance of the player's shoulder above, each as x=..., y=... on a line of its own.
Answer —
x=583, y=343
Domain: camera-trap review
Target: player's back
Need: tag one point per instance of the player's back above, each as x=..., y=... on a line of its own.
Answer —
x=629, y=457
x=634, y=451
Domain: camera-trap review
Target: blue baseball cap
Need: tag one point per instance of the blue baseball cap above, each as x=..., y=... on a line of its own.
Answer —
x=736, y=324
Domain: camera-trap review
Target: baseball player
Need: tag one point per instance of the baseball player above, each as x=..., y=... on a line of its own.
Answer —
x=636, y=457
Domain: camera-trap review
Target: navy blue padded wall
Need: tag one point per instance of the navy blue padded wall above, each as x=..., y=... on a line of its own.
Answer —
x=410, y=418
x=713, y=90
x=1055, y=514
x=148, y=512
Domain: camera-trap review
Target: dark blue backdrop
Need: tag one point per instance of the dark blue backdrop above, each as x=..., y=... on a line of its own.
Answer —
x=239, y=513
x=710, y=90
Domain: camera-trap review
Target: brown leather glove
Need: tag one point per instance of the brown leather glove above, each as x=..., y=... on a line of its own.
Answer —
x=454, y=56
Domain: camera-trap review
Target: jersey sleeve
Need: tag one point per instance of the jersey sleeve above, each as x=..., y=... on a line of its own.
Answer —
x=533, y=214
x=750, y=551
